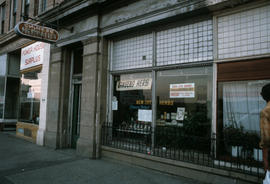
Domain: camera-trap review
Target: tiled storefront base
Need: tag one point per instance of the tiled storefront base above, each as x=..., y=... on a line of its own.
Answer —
x=201, y=173
x=27, y=131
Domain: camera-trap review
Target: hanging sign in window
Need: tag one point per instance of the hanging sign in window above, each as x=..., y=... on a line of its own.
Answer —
x=135, y=84
x=185, y=90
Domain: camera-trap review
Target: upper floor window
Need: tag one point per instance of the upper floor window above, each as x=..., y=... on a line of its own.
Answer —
x=2, y=17
x=36, y=6
x=43, y=5
x=13, y=14
x=26, y=7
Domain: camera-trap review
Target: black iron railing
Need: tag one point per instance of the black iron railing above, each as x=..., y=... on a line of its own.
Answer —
x=172, y=143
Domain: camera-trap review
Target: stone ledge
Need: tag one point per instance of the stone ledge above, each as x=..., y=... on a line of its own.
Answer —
x=189, y=170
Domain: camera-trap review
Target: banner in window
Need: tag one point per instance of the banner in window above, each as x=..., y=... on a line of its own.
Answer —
x=135, y=84
x=33, y=55
x=185, y=90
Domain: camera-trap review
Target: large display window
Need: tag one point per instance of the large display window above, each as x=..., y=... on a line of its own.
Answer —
x=183, y=108
x=183, y=94
x=239, y=106
x=30, y=97
x=132, y=101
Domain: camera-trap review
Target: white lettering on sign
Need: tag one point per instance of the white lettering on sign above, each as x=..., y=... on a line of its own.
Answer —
x=136, y=84
x=185, y=90
x=33, y=55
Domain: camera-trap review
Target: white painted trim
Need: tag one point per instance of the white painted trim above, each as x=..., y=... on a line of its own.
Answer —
x=44, y=96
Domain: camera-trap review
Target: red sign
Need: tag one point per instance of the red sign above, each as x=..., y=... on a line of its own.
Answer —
x=36, y=32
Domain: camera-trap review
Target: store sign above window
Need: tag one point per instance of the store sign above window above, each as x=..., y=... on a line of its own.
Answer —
x=36, y=32
x=34, y=55
x=135, y=84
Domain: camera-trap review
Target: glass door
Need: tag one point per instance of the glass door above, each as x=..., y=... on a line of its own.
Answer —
x=76, y=109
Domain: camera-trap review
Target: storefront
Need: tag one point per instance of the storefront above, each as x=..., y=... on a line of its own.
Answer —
x=9, y=90
x=33, y=90
x=242, y=37
x=161, y=88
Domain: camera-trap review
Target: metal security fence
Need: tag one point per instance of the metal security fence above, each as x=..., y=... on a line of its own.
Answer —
x=172, y=143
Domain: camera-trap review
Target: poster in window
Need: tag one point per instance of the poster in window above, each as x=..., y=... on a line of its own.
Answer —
x=145, y=115
x=180, y=113
x=114, y=104
x=184, y=90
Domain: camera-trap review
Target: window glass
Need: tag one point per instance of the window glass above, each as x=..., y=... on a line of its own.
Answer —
x=78, y=61
x=2, y=88
x=43, y=5
x=12, y=94
x=30, y=97
x=14, y=12
x=245, y=33
x=239, y=106
x=2, y=92
x=1, y=110
x=187, y=43
x=134, y=52
x=131, y=103
x=183, y=99
x=14, y=65
x=3, y=13
x=26, y=8
x=3, y=61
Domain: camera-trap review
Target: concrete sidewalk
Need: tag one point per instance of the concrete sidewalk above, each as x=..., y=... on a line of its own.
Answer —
x=23, y=162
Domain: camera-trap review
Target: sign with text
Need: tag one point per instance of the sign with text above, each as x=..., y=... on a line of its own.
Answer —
x=135, y=84
x=33, y=55
x=36, y=32
x=145, y=115
x=185, y=90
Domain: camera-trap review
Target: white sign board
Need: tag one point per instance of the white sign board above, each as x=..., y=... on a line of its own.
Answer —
x=135, y=84
x=33, y=55
x=1, y=99
x=114, y=105
x=180, y=113
x=185, y=90
x=145, y=115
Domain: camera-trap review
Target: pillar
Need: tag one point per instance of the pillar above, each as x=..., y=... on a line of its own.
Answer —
x=93, y=97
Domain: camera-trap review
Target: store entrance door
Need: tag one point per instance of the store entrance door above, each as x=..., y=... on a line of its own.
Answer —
x=76, y=113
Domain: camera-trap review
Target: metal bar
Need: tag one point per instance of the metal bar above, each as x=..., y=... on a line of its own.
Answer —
x=48, y=24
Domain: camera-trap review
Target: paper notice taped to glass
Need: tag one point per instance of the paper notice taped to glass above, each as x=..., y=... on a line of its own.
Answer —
x=145, y=115
x=115, y=105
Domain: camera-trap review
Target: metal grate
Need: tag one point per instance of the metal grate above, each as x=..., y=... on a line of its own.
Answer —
x=189, y=43
x=172, y=143
x=133, y=53
x=244, y=34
